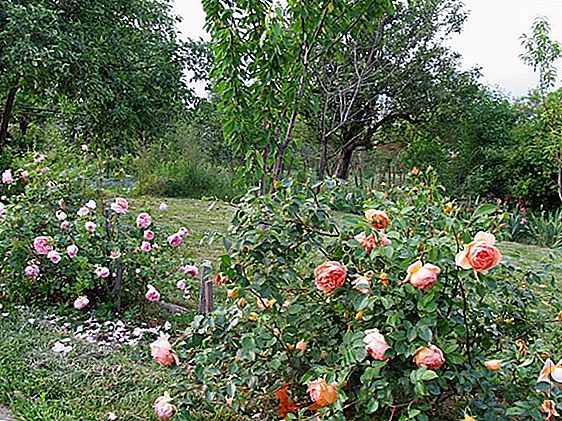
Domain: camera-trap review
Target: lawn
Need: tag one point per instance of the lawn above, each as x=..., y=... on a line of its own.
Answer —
x=89, y=382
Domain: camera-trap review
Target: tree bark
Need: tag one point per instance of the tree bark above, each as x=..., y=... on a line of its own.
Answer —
x=8, y=108
x=344, y=161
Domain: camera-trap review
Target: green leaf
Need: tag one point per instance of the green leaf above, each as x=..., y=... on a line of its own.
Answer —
x=485, y=209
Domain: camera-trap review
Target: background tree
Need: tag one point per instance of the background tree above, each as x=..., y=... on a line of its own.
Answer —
x=401, y=70
x=113, y=70
x=262, y=59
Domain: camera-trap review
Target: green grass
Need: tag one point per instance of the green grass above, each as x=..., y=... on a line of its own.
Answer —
x=86, y=384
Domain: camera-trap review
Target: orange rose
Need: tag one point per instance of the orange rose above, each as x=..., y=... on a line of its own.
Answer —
x=322, y=393
x=161, y=351
x=480, y=255
x=329, y=276
x=377, y=219
x=430, y=357
x=493, y=365
x=375, y=344
x=422, y=276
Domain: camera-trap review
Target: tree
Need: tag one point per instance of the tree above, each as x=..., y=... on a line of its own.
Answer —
x=400, y=71
x=542, y=53
x=262, y=59
x=112, y=69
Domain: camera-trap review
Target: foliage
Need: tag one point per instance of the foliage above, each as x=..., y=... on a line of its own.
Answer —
x=545, y=229
x=112, y=71
x=246, y=351
x=63, y=201
x=398, y=70
x=263, y=55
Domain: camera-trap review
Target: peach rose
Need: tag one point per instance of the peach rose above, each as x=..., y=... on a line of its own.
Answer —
x=480, y=255
x=375, y=344
x=301, y=346
x=493, y=365
x=551, y=374
x=371, y=241
x=422, y=276
x=362, y=284
x=322, y=393
x=161, y=351
x=329, y=276
x=430, y=357
x=548, y=408
x=377, y=219
x=163, y=409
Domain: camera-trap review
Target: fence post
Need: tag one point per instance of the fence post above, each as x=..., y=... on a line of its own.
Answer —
x=206, y=289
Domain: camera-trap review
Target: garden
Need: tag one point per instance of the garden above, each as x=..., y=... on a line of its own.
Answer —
x=335, y=231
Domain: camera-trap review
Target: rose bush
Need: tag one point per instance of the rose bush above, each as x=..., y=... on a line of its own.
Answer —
x=65, y=239
x=317, y=323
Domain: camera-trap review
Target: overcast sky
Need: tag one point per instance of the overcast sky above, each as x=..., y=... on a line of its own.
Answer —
x=490, y=39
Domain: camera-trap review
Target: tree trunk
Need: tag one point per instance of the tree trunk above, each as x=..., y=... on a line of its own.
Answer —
x=8, y=108
x=344, y=161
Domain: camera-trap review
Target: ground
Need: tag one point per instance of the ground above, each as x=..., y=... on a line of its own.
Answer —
x=89, y=381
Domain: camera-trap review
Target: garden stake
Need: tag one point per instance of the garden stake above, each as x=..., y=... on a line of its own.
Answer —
x=206, y=289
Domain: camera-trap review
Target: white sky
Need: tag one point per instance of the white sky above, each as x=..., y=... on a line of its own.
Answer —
x=490, y=38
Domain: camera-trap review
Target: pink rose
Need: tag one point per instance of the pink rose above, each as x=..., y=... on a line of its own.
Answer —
x=91, y=204
x=90, y=226
x=181, y=284
x=83, y=211
x=329, y=276
x=189, y=270
x=152, y=294
x=115, y=254
x=163, y=207
x=61, y=215
x=175, y=240
x=183, y=232
x=163, y=409
x=39, y=158
x=102, y=272
x=375, y=344
x=64, y=225
x=148, y=235
x=72, y=251
x=81, y=302
x=377, y=219
x=119, y=205
x=24, y=174
x=145, y=246
x=32, y=271
x=422, y=276
x=53, y=256
x=143, y=220
x=7, y=177
x=430, y=357
x=480, y=255
x=161, y=350
x=41, y=245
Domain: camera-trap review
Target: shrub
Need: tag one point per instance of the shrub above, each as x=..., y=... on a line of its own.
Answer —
x=330, y=306
x=63, y=237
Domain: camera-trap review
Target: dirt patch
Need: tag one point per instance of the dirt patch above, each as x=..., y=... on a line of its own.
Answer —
x=5, y=414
